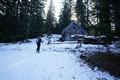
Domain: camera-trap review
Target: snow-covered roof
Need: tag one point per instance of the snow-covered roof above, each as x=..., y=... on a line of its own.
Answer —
x=91, y=37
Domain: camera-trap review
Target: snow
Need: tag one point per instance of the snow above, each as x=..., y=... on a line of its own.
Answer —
x=54, y=62
x=92, y=48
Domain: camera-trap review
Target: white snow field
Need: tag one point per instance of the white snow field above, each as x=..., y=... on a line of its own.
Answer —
x=54, y=62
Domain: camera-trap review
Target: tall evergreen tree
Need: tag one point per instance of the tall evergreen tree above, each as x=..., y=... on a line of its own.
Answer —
x=24, y=10
x=21, y=19
x=50, y=18
x=116, y=13
x=65, y=16
x=103, y=15
x=81, y=12
x=37, y=21
x=10, y=19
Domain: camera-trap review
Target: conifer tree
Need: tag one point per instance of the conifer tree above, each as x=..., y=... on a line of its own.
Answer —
x=81, y=12
x=65, y=15
x=50, y=19
x=21, y=19
x=37, y=21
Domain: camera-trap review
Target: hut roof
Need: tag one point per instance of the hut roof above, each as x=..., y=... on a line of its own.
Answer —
x=73, y=26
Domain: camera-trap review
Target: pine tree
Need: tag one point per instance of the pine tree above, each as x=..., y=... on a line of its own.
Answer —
x=50, y=19
x=36, y=18
x=81, y=12
x=24, y=10
x=65, y=16
x=21, y=19
x=10, y=20
x=103, y=15
x=116, y=13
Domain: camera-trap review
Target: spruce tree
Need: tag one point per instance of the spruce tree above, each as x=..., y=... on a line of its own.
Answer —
x=21, y=19
x=50, y=19
x=81, y=12
x=103, y=15
x=116, y=13
x=65, y=15
x=37, y=21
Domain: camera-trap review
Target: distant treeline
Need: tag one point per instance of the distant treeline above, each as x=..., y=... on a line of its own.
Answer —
x=23, y=19
x=100, y=17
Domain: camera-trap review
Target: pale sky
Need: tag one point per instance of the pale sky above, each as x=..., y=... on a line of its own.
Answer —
x=57, y=7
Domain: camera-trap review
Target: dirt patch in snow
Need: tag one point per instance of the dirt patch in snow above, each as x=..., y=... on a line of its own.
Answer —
x=104, y=61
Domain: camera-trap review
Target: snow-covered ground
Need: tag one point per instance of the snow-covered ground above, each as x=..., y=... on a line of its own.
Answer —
x=92, y=48
x=55, y=61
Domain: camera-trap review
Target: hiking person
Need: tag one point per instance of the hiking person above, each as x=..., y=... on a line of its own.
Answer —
x=38, y=42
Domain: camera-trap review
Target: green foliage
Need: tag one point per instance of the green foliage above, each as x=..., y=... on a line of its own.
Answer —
x=37, y=22
x=21, y=19
x=107, y=13
x=50, y=21
x=81, y=12
x=65, y=15
x=116, y=14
